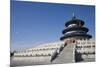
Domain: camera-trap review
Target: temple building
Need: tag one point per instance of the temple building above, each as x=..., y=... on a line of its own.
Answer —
x=75, y=29
x=74, y=46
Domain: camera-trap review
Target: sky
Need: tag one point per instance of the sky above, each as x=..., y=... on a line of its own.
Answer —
x=34, y=23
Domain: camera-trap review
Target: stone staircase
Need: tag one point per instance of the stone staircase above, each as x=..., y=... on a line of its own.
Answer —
x=66, y=55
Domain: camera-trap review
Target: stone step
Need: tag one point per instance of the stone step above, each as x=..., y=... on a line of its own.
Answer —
x=66, y=55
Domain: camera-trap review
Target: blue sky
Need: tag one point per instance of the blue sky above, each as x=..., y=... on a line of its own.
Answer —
x=33, y=23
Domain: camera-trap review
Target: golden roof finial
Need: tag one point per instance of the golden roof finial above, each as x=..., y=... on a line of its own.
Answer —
x=73, y=16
